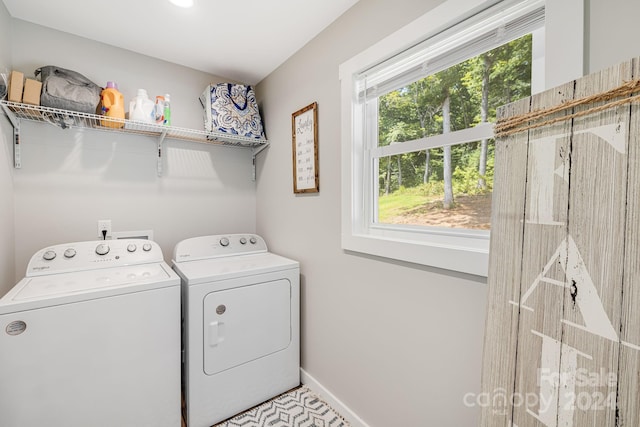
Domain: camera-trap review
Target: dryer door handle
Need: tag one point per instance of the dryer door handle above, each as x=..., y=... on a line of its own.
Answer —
x=216, y=333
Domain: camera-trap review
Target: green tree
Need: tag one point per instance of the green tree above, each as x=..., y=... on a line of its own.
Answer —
x=423, y=92
x=456, y=98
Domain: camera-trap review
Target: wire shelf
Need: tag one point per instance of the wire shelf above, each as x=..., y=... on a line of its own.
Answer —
x=66, y=119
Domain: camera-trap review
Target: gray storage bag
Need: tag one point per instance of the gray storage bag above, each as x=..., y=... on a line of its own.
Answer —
x=68, y=90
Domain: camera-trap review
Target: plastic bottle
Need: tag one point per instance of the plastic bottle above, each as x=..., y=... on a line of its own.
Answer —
x=141, y=108
x=159, y=110
x=112, y=105
x=167, y=110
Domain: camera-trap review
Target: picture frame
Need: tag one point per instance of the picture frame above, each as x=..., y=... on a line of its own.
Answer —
x=304, y=137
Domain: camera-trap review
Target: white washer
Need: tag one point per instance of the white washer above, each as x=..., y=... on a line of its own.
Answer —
x=91, y=337
x=241, y=325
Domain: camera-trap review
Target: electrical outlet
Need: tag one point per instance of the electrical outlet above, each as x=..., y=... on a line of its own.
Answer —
x=104, y=225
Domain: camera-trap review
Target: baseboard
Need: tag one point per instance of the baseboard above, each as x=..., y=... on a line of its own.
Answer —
x=331, y=399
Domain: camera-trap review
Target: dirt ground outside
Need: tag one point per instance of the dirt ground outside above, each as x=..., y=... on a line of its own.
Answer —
x=469, y=212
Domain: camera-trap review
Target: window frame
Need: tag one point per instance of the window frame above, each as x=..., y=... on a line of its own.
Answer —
x=459, y=250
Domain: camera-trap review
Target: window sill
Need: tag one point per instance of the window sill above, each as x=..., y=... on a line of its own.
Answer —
x=471, y=257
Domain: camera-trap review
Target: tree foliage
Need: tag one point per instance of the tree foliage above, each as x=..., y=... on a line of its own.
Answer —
x=450, y=100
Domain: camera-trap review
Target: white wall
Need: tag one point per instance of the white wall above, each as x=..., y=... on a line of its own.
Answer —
x=7, y=258
x=398, y=343
x=70, y=179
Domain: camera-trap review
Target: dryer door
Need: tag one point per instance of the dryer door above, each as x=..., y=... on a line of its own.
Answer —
x=245, y=323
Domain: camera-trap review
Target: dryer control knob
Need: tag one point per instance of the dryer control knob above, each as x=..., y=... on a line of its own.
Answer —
x=224, y=242
x=102, y=249
x=243, y=240
x=70, y=253
x=253, y=240
x=146, y=247
x=131, y=247
x=49, y=255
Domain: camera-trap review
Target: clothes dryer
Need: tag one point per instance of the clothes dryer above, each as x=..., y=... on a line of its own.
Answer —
x=241, y=327
x=91, y=337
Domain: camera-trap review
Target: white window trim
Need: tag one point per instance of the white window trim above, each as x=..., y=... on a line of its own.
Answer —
x=466, y=251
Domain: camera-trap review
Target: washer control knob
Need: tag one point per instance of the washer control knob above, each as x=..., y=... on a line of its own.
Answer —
x=243, y=240
x=253, y=240
x=131, y=247
x=102, y=249
x=146, y=247
x=49, y=255
x=224, y=242
x=70, y=253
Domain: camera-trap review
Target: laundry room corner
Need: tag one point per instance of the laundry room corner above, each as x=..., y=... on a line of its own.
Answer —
x=7, y=258
x=72, y=178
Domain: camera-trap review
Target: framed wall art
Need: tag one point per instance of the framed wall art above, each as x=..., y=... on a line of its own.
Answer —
x=304, y=136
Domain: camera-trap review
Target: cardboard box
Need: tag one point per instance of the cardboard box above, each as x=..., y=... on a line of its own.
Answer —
x=16, y=81
x=32, y=89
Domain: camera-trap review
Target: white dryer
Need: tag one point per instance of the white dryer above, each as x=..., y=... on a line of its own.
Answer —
x=241, y=327
x=91, y=337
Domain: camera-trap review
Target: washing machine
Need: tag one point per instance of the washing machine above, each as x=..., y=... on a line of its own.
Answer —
x=91, y=337
x=241, y=327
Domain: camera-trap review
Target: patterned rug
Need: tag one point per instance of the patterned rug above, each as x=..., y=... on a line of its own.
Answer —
x=297, y=408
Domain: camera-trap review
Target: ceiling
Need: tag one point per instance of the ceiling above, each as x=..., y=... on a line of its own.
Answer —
x=240, y=40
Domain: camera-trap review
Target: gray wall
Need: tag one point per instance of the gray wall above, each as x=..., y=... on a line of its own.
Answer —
x=612, y=32
x=398, y=343
x=70, y=179
x=7, y=258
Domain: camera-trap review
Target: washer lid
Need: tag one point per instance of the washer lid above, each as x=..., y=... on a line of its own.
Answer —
x=56, y=289
x=207, y=270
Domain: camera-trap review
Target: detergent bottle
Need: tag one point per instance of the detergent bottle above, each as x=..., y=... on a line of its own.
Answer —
x=167, y=110
x=159, y=114
x=112, y=105
x=141, y=108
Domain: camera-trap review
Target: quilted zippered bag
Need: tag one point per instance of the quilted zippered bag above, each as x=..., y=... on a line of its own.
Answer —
x=232, y=108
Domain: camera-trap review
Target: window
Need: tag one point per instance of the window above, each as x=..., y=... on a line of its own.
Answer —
x=417, y=135
x=444, y=186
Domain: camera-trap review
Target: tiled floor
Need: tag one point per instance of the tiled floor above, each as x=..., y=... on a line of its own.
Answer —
x=299, y=407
